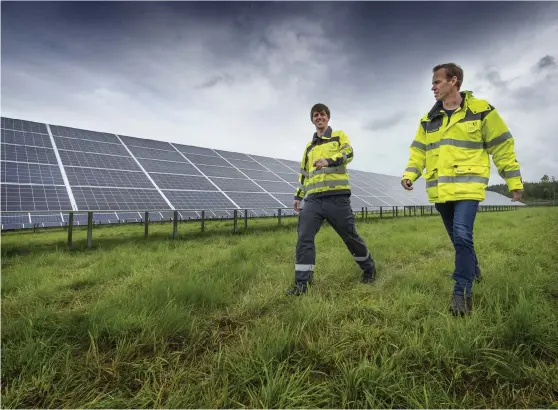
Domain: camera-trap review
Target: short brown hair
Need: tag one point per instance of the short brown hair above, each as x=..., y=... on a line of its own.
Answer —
x=319, y=108
x=452, y=70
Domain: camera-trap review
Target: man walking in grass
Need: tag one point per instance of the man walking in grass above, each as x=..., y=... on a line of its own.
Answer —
x=453, y=142
x=324, y=185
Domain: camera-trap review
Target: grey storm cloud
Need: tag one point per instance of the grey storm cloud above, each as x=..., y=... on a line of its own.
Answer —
x=547, y=62
x=246, y=74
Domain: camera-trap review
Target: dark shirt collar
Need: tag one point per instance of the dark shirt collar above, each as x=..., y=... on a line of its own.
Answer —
x=439, y=106
x=327, y=134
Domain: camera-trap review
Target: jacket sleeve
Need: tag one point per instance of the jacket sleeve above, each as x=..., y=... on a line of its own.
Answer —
x=302, y=177
x=417, y=158
x=500, y=145
x=345, y=154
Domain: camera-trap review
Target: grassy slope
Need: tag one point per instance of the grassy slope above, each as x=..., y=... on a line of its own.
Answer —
x=202, y=321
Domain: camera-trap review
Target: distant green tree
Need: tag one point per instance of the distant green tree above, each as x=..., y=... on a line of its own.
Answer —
x=545, y=189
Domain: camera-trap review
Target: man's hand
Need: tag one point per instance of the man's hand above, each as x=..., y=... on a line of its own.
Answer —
x=296, y=205
x=322, y=162
x=407, y=184
x=517, y=194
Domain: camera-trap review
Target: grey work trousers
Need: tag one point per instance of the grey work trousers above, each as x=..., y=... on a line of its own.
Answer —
x=336, y=209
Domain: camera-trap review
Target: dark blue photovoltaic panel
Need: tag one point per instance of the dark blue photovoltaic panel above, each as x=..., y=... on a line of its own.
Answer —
x=358, y=191
x=278, y=168
x=226, y=172
x=130, y=216
x=150, y=153
x=205, y=160
x=107, y=177
x=13, y=219
x=276, y=186
x=238, y=185
x=83, y=134
x=233, y=155
x=272, y=164
x=375, y=201
x=74, y=144
x=198, y=200
x=105, y=199
x=140, y=142
x=34, y=198
x=166, y=181
x=188, y=149
x=254, y=200
x=53, y=218
x=22, y=125
x=82, y=159
x=26, y=138
x=294, y=165
x=290, y=178
x=22, y=153
x=168, y=167
x=261, y=175
x=247, y=164
x=287, y=199
x=22, y=173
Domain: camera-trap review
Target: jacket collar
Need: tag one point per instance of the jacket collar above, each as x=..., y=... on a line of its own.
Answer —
x=438, y=107
x=327, y=134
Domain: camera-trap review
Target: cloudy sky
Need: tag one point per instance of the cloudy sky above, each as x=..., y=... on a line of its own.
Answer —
x=243, y=76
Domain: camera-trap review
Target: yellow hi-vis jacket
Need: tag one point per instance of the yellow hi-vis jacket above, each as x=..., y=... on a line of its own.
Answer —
x=456, y=154
x=334, y=146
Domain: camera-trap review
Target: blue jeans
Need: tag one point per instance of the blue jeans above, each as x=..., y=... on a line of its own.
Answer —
x=459, y=218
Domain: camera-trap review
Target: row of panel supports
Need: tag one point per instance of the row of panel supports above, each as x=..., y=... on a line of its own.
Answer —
x=395, y=211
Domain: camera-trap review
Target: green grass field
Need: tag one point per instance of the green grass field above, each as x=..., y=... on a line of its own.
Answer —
x=203, y=322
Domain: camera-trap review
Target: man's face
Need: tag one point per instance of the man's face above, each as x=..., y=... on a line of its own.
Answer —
x=441, y=86
x=320, y=120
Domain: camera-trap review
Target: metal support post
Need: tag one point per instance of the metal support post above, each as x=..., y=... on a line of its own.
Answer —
x=70, y=228
x=89, y=229
x=279, y=216
x=246, y=219
x=175, y=225
x=203, y=221
x=235, y=229
x=146, y=223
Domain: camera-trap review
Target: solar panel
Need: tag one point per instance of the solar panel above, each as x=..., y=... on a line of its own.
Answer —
x=24, y=173
x=34, y=198
x=102, y=198
x=53, y=168
x=78, y=176
x=198, y=200
x=25, y=138
x=183, y=182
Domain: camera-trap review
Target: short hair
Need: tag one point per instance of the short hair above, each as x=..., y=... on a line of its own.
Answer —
x=452, y=70
x=319, y=108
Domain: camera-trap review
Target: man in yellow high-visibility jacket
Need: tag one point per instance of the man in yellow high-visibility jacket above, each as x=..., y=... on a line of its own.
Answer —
x=324, y=186
x=453, y=142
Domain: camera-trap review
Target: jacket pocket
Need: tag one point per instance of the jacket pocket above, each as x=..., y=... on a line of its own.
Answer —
x=470, y=169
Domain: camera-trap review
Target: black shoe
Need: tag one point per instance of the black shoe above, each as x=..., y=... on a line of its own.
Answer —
x=298, y=289
x=369, y=275
x=460, y=305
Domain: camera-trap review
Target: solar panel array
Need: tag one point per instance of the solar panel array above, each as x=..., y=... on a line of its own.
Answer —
x=49, y=170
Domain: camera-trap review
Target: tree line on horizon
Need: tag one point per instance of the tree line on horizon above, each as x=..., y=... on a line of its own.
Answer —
x=543, y=190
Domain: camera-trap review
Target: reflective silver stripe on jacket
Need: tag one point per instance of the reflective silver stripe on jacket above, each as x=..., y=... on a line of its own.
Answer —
x=326, y=183
x=304, y=268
